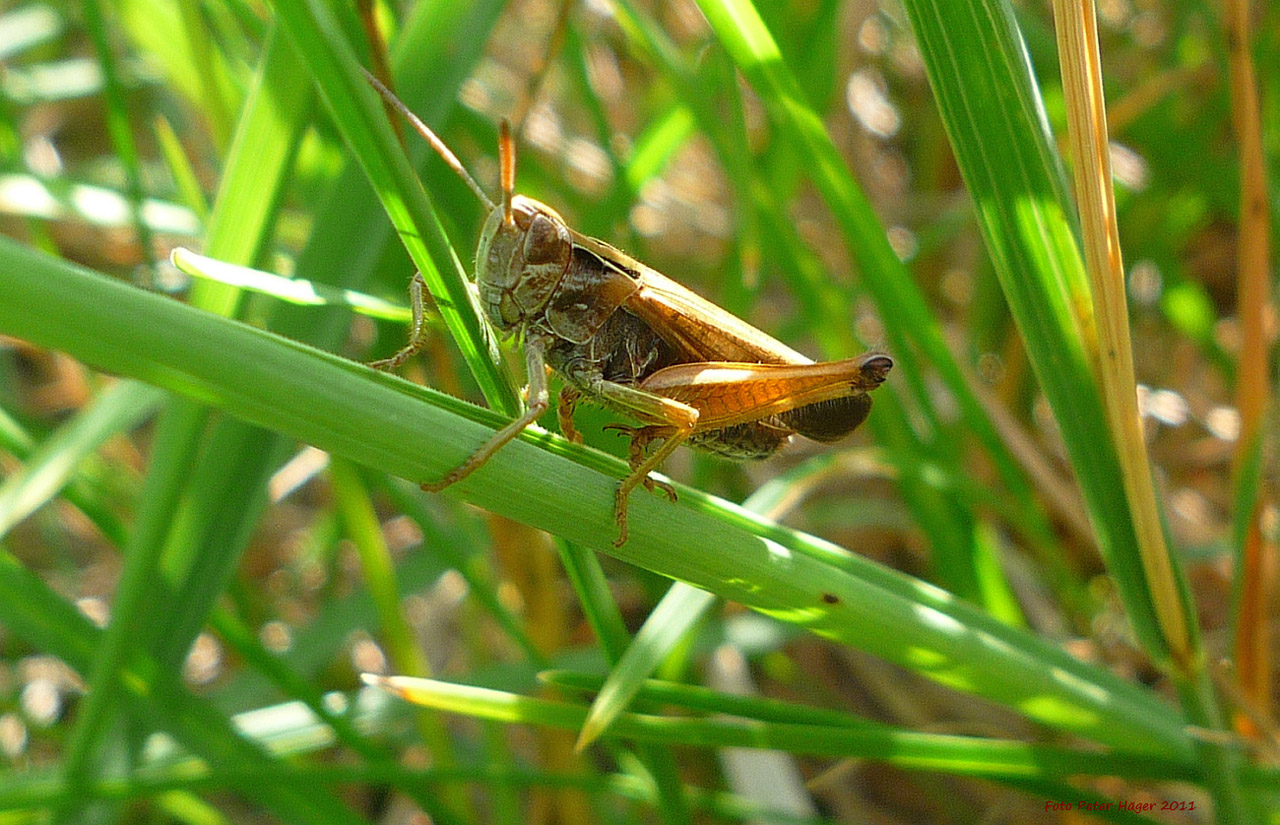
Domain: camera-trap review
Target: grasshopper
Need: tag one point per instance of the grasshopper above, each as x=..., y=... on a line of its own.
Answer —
x=625, y=336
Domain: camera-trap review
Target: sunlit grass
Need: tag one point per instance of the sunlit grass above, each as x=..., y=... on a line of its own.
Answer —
x=846, y=179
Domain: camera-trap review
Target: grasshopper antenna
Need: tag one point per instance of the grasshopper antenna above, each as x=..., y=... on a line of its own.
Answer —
x=507, y=165
x=436, y=143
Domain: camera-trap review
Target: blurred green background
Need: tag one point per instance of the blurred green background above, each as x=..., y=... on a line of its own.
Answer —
x=205, y=532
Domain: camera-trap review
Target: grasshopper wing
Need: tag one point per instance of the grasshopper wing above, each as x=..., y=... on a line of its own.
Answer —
x=689, y=323
x=723, y=356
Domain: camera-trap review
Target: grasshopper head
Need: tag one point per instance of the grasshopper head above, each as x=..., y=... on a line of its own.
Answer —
x=520, y=261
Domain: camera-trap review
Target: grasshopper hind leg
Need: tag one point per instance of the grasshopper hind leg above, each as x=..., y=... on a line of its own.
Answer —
x=642, y=465
x=678, y=422
x=637, y=450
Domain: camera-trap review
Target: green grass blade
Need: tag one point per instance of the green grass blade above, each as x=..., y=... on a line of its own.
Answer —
x=53, y=463
x=992, y=111
x=359, y=115
x=679, y=610
x=382, y=421
x=706, y=700
x=584, y=571
x=30, y=609
x=172, y=34
x=667, y=627
x=406, y=654
x=118, y=126
x=972, y=756
x=296, y=291
x=170, y=624
x=913, y=334
x=186, y=182
x=276, y=109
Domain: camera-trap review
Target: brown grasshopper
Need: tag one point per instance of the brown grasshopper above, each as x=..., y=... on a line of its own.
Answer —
x=629, y=338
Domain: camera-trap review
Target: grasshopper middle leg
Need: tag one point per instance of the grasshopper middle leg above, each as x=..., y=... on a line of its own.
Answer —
x=569, y=397
x=539, y=402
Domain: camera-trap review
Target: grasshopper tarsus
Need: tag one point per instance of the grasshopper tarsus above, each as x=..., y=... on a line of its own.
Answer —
x=624, y=492
x=396, y=361
x=455, y=475
x=641, y=437
x=620, y=515
x=673, y=436
x=620, y=499
x=654, y=486
x=622, y=533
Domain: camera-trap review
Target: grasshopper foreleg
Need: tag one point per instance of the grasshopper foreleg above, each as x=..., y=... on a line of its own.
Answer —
x=417, y=331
